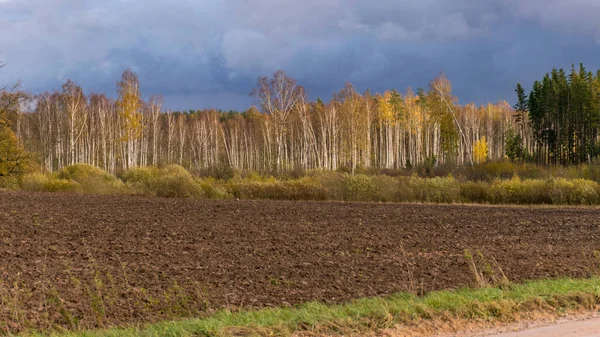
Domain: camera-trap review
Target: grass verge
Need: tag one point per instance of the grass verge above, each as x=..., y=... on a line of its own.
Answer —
x=493, y=304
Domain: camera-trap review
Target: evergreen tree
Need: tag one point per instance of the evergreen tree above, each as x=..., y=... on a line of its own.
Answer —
x=514, y=146
x=522, y=105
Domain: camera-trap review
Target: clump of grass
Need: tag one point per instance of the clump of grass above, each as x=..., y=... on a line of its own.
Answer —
x=413, y=287
x=487, y=272
x=592, y=260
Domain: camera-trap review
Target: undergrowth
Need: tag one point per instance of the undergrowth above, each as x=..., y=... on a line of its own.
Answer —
x=492, y=187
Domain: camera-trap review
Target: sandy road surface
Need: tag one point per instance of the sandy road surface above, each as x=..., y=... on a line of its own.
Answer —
x=585, y=328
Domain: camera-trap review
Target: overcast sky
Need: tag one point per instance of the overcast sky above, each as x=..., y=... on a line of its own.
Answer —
x=209, y=53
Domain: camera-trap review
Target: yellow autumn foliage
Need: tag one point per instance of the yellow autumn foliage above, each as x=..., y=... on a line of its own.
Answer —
x=129, y=105
x=385, y=108
x=480, y=150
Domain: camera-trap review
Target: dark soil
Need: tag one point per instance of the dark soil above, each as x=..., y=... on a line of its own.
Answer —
x=84, y=261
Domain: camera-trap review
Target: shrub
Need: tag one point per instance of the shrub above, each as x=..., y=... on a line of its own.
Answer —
x=306, y=188
x=332, y=181
x=220, y=171
x=574, y=192
x=358, y=187
x=534, y=192
x=517, y=191
x=475, y=191
x=586, y=192
x=589, y=172
x=441, y=190
x=37, y=182
x=82, y=172
x=175, y=181
x=386, y=188
x=503, y=170
x=10, y=182
x=170, y=181
x=91, y=179
x=493, y=170
x=62, y=185
x=211, y=189
x=559, y=191
x=140, y=175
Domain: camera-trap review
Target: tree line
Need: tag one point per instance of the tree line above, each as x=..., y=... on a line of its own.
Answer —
x=556, y=123
x=285, y=130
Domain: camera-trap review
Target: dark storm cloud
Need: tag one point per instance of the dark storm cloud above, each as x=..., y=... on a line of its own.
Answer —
x=209, y=53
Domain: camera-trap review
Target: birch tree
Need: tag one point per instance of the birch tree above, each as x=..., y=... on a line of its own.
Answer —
x=441, y=90
x=278, y=97
x=130, y=116
x=74, y=102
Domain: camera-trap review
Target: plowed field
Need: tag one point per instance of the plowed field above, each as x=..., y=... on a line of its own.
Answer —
x=84, y=261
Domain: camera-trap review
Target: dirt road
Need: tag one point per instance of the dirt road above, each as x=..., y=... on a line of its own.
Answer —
x=586, y=328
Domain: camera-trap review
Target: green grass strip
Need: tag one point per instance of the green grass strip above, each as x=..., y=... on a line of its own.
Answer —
x=376, y=313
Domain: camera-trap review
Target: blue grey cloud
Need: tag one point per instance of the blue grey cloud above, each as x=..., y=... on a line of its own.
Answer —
x=209, y=53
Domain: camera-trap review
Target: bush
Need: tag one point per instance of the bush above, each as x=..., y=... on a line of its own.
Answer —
x=386, y=188
x=493, y=170
x=358, y=187
x=586, y=192
x=91, y=179
x=62, y=185
x=83, y=172
x=441, y=190
x=211, y=189
x=517, y=191
x=10, y=182
x=475, y=191
x=140, y=177
x=574, y=192
x=332, y=181
x=170, y=181
x=175, y=181
x=220, y=172
x=300, y=189
x=37, y=182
